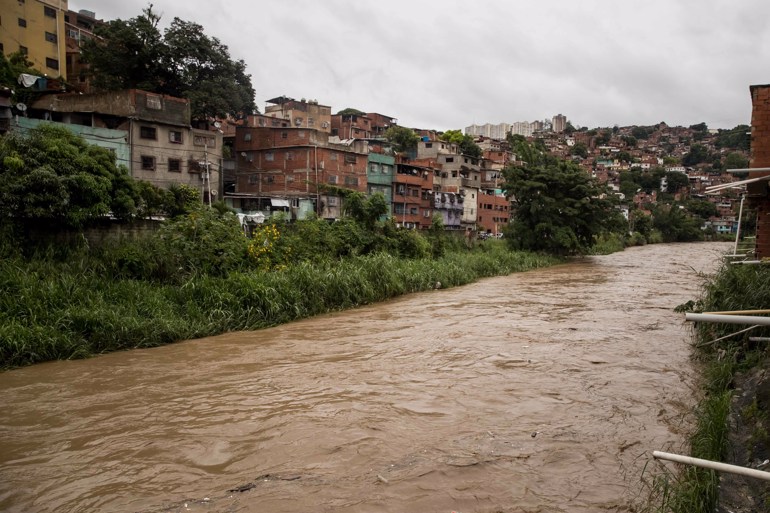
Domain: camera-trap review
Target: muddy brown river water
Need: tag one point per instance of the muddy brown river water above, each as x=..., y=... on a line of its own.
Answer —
x=540, y=391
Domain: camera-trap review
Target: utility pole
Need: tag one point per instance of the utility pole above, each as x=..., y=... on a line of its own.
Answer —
x=207, y=180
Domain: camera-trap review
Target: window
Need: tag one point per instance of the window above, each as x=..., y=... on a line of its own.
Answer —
x=332, y=156
x=148, y=163
x=253, y=179
x=51, y=38
x=332, y=200
x=289, y=178
x=153, y=101
x=289, y=155
x=175, y=136
x=350, y=159
x=270, y=178
x=450, y=159
x=373, y=167
x=269, y=156
x=429, y=145
x=351, y=180
x=174, y=165
x=148, y=132
x=386, y=169
x=52, y=63
x=22, y=22
x=23, y=50
x=247, y=136
x=49, y=11
x=284, y=135
x=310, y=122
x=332, y=179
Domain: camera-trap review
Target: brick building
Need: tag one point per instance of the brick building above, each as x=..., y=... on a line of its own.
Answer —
x=758, y=192
x=287, y=168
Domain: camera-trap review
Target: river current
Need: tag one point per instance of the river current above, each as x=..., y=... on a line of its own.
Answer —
x=539, y=391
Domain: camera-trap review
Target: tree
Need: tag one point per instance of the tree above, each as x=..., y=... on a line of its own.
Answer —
x=675, y=180
x=736, y=160
x=698, y=153
x=559, y=208
x=10, y=69
x=642, y=132
x=53, y=178
x=580, y=149
x=351, y=112
x=182, y=62
x=623, y=156
x=630, y=140
x=674, y=225
x=603, y=138
x=465, y=143
x=738, y=138
x=403, y=139
x=702, y=209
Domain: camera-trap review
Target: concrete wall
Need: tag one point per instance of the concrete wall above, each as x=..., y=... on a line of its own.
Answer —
x=114, y=140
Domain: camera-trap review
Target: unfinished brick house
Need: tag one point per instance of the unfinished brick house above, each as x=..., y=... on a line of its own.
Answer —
x=758, y=193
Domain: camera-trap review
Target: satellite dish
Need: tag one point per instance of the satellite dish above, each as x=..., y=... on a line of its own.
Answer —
x=214, y=192
x=21, y=106
x=217, y=124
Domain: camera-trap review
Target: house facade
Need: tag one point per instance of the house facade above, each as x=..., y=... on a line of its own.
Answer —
x=163, y=148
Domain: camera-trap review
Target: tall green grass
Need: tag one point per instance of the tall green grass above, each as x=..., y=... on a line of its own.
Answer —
x=51, y=309
x=733, y=287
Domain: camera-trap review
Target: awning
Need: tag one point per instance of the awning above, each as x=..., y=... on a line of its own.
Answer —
x=279, y=202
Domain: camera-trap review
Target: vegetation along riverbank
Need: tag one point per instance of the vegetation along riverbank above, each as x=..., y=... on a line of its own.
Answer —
x=732, y=416
x=147, y=293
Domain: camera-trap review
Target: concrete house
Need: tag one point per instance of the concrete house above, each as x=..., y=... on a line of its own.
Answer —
x=163, y=148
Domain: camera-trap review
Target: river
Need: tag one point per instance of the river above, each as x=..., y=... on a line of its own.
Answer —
x=539, y=391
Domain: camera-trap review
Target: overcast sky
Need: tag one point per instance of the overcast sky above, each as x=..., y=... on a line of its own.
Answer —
x=451, y=63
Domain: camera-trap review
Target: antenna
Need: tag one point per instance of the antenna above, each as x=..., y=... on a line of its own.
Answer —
x=217, y=124
x=21, y=106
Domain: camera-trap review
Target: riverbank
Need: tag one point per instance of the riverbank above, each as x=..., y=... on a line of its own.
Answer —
x=733, y=421
x=58, y=310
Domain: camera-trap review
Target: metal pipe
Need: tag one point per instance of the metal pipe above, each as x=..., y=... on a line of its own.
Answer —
x=748, y=169
x=727, y=319
x=741, y=312
x=738, y=231
x=713, y=465
x=702, y=344
x=759, y=339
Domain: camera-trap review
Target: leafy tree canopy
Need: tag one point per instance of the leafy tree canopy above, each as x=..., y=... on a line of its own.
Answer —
x=559, y=208
x=736, y=160
x=580, y=149
x=10, y=69
x=698, y=153
x=675, y=180
x=403, y=139
x=603, y=137
x=738, y=138
x=182, y=62
x=351, y=111
x=51, y=176
x=642, y=132
x=464, y=141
